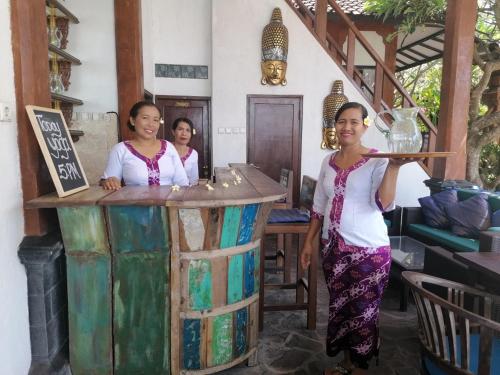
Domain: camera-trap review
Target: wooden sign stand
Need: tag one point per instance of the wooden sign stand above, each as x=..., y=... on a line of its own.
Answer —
x=58, y=150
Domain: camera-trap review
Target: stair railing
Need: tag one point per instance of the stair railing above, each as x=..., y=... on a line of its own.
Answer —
x=317, y=25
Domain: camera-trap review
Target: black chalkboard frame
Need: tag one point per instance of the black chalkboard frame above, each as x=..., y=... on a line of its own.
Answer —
x=83, y=183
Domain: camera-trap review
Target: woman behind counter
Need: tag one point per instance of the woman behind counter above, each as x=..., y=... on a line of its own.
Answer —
x=351, y=194
x=182, y=130
x=144, y=160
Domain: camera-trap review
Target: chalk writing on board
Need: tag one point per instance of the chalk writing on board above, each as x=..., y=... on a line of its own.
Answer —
x=58, y=150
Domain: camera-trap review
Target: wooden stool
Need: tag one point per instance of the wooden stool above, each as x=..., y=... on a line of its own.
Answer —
x=302, y=283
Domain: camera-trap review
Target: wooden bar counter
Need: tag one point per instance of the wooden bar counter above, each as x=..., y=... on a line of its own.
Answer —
x=163, y=281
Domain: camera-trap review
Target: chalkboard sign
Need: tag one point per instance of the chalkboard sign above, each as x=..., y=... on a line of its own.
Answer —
x=58, y=150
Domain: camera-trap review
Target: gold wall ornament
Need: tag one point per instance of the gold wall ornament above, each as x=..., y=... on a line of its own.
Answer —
x=274, y=51
x=331, y=105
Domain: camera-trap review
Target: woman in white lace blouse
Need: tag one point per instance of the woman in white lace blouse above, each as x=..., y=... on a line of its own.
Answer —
x=144, y=160
x=182, y=129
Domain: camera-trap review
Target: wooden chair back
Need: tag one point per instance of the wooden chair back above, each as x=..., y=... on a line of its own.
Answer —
x=286, y=180
x=446, y=326
x=307, y=192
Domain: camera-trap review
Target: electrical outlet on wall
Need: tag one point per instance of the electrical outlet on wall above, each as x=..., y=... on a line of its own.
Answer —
x=5, y=112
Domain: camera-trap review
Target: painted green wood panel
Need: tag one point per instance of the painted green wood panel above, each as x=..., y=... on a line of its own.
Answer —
x=247, y=223
x=89, y=314
x=249, y=266
x=240, y=332
x=141, y=323
x=137, y=228
x=191, y=344
x=256, y=271
x=235, y=279
x=200, y=284
x=230, y=227
x=83, y=229
x=222, y=339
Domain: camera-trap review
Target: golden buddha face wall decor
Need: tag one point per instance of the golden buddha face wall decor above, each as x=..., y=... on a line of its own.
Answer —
x=274, y=51
x=331, y=105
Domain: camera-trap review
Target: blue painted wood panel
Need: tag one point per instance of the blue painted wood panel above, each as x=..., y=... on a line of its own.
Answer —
x=191, y=347
x=256, y=271
x=230, y=227
x=200, y=284
x=247, y=223
x=137, y=228
x=249, y=266
x=241, y=324
x=235, y=279
x=89, y=314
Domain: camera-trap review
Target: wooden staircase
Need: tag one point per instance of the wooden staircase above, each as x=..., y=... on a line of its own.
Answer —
x=317, y=25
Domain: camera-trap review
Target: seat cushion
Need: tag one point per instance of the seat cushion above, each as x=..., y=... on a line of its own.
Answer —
x=433, y=208
x=292, y=215
x=495, y=218
x=494, y=201
x=445, y=238
x=469, y=217
x=433, y=369
x=388, y=223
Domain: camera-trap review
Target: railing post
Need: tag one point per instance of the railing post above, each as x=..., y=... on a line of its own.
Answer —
x=321, y=19
x=351, y=43
x=378, y=86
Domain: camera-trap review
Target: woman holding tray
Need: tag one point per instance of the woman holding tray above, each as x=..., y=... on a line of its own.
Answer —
x=144, y=160
x=352, y=192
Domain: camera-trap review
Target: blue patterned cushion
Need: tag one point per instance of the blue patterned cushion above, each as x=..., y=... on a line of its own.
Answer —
x=292, y=215
x=433, y=208
x=469, y=217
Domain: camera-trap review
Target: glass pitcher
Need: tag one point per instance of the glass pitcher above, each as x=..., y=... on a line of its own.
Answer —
x=403, y=135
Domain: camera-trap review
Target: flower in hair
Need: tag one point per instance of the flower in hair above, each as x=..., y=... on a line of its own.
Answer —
x=366, y=121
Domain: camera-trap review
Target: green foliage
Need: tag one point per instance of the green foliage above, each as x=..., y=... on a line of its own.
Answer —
x=489, y=165
x=424, y=82
x=412, y=13
x=424, y=85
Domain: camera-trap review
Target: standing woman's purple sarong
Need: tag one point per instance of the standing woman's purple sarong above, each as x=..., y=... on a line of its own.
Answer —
x=356, y=278
x=355, y=282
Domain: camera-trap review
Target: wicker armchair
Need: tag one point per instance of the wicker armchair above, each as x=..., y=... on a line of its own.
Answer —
x=455, y=339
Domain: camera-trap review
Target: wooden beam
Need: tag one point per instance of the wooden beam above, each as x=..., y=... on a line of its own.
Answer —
x=425, y=45
x=390, y=62
x=321, y=19
x=31, y=76
x=128, y=59
x=455, y=88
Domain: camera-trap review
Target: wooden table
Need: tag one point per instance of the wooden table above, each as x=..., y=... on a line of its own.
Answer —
x=486, y=266
x=407, y=255
x=163, y=281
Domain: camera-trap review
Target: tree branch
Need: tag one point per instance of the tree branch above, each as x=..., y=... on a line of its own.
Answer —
x=477, y=92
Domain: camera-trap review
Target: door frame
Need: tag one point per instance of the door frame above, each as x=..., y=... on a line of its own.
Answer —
x=296, y=164
x=208, y=99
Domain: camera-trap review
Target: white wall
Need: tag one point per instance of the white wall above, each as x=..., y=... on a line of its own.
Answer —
x=93, y=42
x=181, y=34
x=236, y=33
x=15, y=354
x=147, y=45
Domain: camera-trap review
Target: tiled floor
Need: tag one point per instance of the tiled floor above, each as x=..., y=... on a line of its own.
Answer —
x=287, y=347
